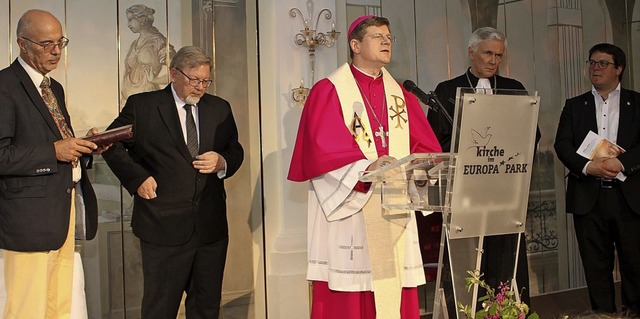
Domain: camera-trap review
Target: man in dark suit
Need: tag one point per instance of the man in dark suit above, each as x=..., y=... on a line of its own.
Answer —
x=40, y=176
x=603, y=193
x=486, y=49
x=185, y=144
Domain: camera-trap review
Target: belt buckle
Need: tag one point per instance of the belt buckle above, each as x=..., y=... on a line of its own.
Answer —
x=606, y=184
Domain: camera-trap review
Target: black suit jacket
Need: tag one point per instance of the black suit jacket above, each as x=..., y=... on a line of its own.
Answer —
x=577, y=119
x=186, y=199
x=35, y=189
x=446, y=93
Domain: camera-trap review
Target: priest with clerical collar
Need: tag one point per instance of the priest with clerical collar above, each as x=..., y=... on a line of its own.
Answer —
x=358, y=119
x=486, y=50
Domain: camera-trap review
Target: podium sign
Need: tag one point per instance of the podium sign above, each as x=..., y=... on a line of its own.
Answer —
x=488, y=187
x=495, y=148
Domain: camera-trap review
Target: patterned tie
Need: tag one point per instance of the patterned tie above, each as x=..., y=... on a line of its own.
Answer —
x=54, y=108
x=192, y=132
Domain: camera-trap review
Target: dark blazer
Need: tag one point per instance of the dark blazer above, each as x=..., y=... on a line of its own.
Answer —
x=446, y=93
x=577, y=119
x=35, y=189
x=187, y=200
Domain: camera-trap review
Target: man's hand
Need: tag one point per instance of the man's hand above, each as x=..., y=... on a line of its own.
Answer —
x=209, y=162
x=148, y=188
x=604, y=167
x=100, y=149
x=381, y=161
x=69, y=149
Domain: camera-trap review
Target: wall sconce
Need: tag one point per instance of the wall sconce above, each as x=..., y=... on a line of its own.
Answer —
x=299, y=94
x=310, y=38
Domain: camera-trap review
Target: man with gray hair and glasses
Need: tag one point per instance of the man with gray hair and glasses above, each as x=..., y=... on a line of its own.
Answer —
x=185, y=145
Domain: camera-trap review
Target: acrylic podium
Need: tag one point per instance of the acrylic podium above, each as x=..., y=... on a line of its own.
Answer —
x=415, y=182
x=481, y=187
x=488, y=188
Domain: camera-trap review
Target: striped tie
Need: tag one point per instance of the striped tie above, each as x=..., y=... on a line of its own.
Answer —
x=192, y=132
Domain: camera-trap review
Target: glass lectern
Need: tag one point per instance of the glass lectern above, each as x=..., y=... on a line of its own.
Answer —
x=481, y=187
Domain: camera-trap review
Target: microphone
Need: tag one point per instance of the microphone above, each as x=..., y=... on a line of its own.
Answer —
x=423, y=97
x=430, y=99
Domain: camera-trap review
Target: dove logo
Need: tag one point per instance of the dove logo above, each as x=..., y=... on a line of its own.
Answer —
x=481, y=139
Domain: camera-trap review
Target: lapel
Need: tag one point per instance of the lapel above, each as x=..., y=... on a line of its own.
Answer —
x=471, y=79
x=58, y=92
x=169, y=113
x=206, y=114
x=627, y=120
x=588, y=106
x=36, y=98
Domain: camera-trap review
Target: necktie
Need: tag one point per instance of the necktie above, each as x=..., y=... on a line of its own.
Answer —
x=54, y=108
x=192, y=132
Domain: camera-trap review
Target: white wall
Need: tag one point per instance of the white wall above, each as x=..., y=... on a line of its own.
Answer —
x=282, y=66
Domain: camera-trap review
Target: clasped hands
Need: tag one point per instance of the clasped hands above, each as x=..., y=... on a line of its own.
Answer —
x=604, y=167
x=71, y=148
x=205, y=163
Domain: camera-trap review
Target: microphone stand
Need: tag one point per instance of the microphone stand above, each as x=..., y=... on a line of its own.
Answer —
x=437, y=106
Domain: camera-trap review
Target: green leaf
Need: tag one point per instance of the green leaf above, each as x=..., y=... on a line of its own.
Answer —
x=493, y=309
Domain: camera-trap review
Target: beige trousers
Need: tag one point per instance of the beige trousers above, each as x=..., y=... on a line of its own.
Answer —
x=39, y=284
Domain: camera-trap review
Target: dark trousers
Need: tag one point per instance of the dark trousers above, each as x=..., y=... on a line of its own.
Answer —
x=194, y=268
x=611, y=226
x=499, y=260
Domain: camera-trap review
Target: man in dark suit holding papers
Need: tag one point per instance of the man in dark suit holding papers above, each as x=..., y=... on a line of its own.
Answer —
x=603, y=194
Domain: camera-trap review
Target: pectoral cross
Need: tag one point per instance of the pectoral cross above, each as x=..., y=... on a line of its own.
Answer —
x=381, y=133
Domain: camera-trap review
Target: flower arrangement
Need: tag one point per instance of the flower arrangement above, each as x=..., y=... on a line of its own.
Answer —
x=495, y=306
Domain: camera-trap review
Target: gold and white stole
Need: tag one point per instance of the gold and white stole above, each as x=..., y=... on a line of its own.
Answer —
x=382, y=226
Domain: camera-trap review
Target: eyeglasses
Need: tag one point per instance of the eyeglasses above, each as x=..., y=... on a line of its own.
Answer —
x=48, y=46
x=380, y=37
x=602, y=63
x=196, y=82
